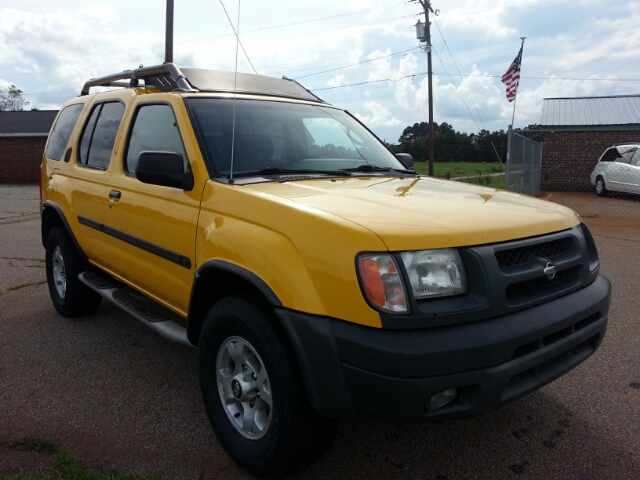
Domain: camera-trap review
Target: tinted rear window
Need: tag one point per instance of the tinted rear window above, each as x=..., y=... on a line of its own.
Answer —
x=62, y=131
x=99, y=135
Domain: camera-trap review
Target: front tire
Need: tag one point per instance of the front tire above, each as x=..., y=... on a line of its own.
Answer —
x=254, y=394
x=70, y=296
x=601, y=189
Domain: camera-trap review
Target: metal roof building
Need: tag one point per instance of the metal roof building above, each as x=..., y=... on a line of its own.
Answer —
x=612, y=111
x=577, y=131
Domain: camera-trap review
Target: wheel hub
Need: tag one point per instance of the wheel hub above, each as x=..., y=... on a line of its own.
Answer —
x=236, y=388
x=244, y=387
x=59, y=272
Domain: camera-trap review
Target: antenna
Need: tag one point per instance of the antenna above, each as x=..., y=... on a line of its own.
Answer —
x=235, y=92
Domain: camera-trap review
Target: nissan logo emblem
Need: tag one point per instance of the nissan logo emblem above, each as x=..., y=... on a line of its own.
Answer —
x=550, y=270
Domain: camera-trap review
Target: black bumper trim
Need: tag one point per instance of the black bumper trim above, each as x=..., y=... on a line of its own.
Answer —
x=352, y=369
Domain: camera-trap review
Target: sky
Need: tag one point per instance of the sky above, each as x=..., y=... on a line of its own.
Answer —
x=360, y=55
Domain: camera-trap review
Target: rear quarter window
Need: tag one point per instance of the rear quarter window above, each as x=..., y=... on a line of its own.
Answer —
x=62, y=131
x=99, y=135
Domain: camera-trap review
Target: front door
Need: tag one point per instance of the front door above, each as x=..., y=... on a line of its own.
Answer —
x=155, y=226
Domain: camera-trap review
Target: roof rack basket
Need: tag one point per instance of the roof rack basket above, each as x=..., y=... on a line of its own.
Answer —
x=166, y=77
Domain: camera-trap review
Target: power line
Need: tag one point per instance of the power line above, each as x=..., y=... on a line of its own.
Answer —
x=462, y=83
x=359, y=63
x=485, y=76
x=458, y=92
x=383, y=7
x=369, y=82
x=237, y=36
x=479, y=76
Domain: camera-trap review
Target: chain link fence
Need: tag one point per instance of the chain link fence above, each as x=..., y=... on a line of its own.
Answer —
x=524, y=162
x=611, y=205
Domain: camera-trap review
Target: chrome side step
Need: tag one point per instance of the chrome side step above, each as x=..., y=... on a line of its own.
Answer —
x=138, y=306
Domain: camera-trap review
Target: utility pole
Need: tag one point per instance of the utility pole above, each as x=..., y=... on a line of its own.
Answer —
x=168, y=41
x=425, y=36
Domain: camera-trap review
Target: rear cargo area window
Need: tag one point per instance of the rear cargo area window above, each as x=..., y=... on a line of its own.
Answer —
x=62, y=131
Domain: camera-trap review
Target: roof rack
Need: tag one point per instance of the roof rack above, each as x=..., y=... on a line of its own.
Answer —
x=157, y=73
x=168, y=77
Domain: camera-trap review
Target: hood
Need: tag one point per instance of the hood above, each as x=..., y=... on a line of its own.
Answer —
x=419, y=213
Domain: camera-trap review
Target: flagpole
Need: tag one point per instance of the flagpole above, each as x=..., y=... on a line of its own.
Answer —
x=515, y=100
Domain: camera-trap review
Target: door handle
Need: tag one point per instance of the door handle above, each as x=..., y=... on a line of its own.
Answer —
x=115, y=194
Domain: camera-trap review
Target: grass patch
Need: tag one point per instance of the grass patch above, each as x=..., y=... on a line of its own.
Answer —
x=458, y=169
x=471, y=172
x=65, y=465
x=492, y=182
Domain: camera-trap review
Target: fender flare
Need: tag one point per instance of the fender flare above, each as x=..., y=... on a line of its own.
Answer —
x=198, y=309
x=64, y=222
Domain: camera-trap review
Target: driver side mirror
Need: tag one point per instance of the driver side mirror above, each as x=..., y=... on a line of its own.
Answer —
x=165, y=169
x=406, y=160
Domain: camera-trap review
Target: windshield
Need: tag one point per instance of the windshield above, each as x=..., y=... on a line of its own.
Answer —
x=272, y=137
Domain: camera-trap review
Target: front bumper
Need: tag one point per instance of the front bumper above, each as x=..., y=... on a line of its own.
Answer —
x=350, y=369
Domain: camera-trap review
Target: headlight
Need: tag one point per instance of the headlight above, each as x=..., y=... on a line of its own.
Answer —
x=435, y=273
x=382, y=282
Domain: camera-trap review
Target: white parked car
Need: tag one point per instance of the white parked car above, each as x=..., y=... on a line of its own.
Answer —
x=618, y=170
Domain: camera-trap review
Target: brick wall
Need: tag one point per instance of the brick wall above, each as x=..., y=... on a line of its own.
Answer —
x=569, y=157
x=20, y=159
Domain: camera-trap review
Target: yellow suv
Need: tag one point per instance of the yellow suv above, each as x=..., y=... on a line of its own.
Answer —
x=316, y=272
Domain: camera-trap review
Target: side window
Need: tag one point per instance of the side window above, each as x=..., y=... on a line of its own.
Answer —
x=610, y=155
x=99, y=135
x=62, y=131
x=635, y=160
x=154, y=129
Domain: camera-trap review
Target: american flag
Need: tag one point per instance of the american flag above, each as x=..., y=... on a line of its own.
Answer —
x=512, y=78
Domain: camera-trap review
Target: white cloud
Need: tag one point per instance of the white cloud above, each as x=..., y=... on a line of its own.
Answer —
x=102, y=13
x=336, y=81
x=378, y=116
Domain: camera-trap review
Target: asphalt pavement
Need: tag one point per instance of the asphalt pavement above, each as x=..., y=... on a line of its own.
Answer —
x=117, y=395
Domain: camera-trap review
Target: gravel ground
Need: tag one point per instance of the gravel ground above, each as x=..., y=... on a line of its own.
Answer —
x=119, y=396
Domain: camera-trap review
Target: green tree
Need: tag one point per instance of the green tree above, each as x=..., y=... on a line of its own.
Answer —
x=451, y=145
x=531, y=132
x=11, y=99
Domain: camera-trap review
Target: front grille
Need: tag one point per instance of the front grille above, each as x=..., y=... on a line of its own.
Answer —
x=521, y=255
x=541, y=287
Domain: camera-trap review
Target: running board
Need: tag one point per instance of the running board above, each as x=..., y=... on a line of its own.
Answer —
x=141, y=308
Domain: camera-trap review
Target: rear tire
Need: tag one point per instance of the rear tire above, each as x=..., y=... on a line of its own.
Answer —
x=70, y=296
x=254, y=393
x=601, y=189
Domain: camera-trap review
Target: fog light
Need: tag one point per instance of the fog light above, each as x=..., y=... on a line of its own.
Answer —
x=441, y=399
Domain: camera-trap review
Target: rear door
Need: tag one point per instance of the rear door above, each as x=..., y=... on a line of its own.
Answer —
x=84, y=189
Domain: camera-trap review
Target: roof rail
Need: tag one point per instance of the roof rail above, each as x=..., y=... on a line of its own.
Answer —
x=166, y=75
x=169, y=78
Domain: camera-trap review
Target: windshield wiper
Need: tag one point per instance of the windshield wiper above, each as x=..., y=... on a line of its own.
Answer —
x=374, y=168
x=295, y=171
